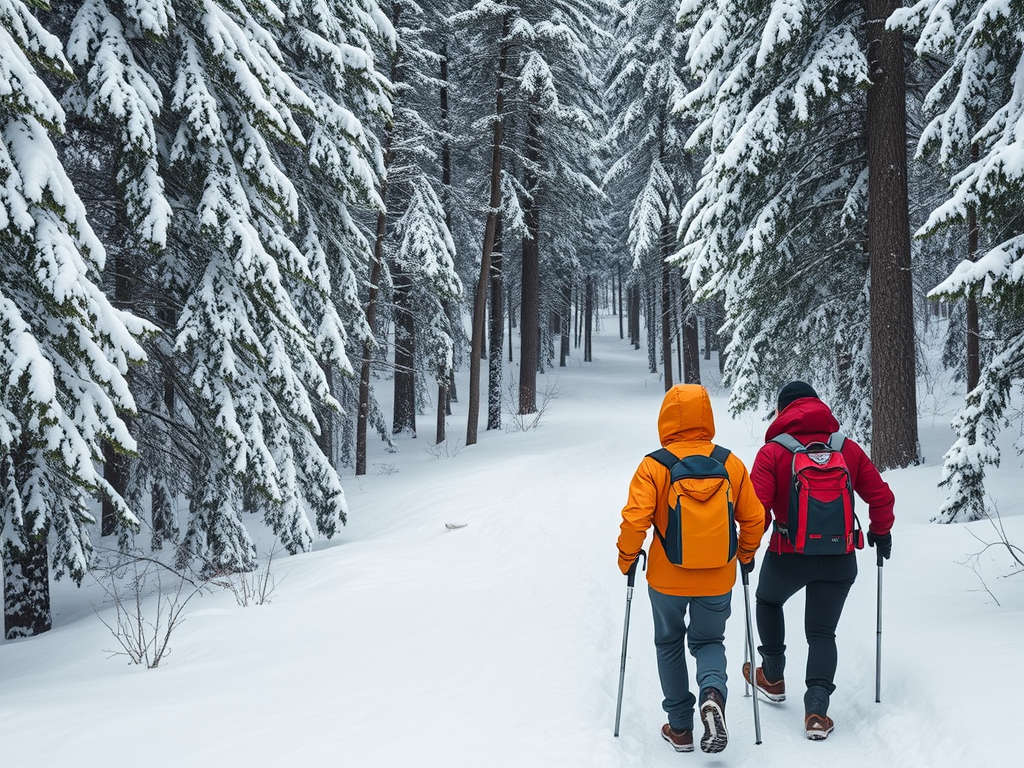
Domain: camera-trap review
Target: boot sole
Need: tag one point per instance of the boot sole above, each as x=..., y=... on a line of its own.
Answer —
x=817, y=735
x=676, y=747
x=776, y=697
x=716, y=737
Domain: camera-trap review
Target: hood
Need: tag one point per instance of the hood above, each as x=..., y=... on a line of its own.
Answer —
x=805, y=416
x=686, y=415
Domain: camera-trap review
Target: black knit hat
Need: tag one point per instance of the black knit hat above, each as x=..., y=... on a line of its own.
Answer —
x=794, y=391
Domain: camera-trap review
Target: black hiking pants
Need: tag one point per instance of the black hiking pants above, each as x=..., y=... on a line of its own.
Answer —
x=826, y=580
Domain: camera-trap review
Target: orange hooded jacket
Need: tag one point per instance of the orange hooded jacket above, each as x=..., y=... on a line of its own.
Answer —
x=686, y=427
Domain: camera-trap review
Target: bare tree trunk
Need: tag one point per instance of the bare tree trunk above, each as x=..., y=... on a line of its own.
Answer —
x=893, y=383
x=666, y=307
x=480, y=301
x=653, y=314
x=691, y=348
x=588, y=330
x=564, y=321
x=633, y=300
x=404, y=406
x=511, y=319
x=497, y=337
x=618, y=274
x=529, y=316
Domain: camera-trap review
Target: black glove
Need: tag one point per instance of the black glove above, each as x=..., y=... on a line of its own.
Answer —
x=883, y=541
x=747, y=567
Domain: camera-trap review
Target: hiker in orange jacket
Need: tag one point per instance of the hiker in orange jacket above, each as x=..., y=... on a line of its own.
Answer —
x=686, y=427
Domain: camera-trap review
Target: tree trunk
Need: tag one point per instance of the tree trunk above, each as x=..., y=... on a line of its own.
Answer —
x=588, y=330
x=511, y=319
x=497, y=337
x=618, y=275
x=633, y=299
x=529, y=316
x=666, y=308
x=362, y=418
x=404, y=406
x=893, y=384
x=652, y=314
x=563, y=325
x=480, y=300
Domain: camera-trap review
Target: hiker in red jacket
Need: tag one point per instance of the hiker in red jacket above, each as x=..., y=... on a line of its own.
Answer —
x=784, y=572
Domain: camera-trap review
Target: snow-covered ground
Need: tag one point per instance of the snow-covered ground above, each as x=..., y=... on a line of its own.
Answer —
x=406, y=643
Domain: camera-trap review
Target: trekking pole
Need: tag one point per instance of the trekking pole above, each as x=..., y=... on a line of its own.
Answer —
x=630, y=578
x=878, y=636
x=746, y=660
x=750, y=651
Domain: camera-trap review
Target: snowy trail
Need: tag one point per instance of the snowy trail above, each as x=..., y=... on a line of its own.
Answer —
x=404, y=643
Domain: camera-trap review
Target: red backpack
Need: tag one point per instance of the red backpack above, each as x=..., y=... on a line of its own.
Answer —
x=821, y=518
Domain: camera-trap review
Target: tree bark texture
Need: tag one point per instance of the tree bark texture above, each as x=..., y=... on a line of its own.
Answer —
x=588, y=323
x=404, y=410
x=893, y=384
x=618, y=276
x=497, y=335
x=691, y=349
x=666, y=307
x=529, y=315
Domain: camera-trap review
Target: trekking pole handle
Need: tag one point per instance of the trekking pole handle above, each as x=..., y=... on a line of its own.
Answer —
x=631, y=573
x=878, y=557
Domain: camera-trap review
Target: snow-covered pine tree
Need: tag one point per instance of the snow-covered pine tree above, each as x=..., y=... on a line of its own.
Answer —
x=776, y=225
x=111, y=152
x=332, y=49
x=261, y=150
x=559, y=113
x=652, y=172
x=64, y=349
x=978, y=108
x=420, y=301
x=421, y=251
x=425, y=255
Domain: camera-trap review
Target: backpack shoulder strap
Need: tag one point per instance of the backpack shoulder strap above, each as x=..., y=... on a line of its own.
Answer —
x=720, y=454
x=789, y=442
x=665, y=457
x=836, y=441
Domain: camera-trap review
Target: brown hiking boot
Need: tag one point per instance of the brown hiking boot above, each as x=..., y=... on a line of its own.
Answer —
x=818, y=727
x=681, y=741
x=712, y=713
x=773, y=691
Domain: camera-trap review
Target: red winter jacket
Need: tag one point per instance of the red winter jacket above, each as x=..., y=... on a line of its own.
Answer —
x=809, y=419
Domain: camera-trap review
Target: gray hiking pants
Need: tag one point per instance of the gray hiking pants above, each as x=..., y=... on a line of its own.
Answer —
x=706, y=639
